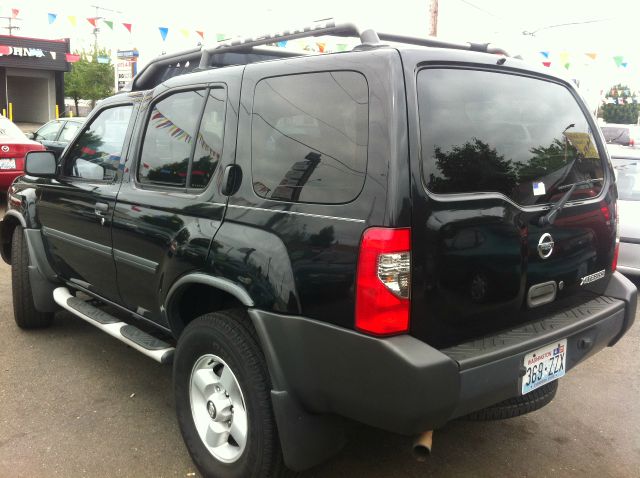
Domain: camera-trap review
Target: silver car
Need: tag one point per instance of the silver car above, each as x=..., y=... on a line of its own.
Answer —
x=626, y=162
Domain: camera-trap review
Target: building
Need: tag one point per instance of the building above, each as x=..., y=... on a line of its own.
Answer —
x=32, y=77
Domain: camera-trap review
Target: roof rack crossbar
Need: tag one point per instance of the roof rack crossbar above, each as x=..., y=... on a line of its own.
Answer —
x=328, y=27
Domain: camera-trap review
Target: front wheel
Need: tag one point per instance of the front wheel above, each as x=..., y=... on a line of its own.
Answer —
x=222, y=391
x=24, y=310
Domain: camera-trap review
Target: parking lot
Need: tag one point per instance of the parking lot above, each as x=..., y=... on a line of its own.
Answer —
x=74, y=402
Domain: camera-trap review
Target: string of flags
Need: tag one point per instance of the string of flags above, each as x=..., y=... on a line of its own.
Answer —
x=566, y=59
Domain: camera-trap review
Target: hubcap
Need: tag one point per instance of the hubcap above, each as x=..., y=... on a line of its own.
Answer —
x=218, y=408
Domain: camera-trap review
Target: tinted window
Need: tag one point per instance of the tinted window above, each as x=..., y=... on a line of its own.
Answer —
x=209, y=145
x=96, y=152
x=69, y=131
x=49, y=131
x=309, y=137
x=494, y=132
x=169, y=139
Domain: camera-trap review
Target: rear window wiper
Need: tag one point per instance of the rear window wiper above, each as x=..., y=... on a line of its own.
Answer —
x=550, y=217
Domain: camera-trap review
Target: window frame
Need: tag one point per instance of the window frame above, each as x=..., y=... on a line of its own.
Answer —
x=63, y=162
x=366, y=159
x=206, y=87
x=600, y=144
x=62, y=124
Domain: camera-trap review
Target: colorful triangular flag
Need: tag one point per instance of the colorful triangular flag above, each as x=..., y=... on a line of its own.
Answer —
x=15, y=12
x=546, y=63
x=592, y=55
x=52, y=17
x=163, y=32
x=220, y=36
x=200, y=33
x=128, y=26
x=567, y=65
x=185, y=32
x=545, y=54
x=92, y=20
x=71, y=58
x=73, y=20
x=619, y=60
x=108, y=23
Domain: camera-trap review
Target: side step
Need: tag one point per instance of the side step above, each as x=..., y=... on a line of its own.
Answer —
x=138, y=339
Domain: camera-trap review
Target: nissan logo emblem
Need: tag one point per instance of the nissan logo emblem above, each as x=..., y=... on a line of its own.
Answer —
x=5, y=149
x=545, y=245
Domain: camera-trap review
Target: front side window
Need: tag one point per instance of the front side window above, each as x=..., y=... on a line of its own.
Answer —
x=97, y=151
x=48, y=132
x=309, y=137
x=169, y=139
x=493, y=132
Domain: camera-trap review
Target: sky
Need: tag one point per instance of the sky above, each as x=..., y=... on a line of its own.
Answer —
x=604, y=28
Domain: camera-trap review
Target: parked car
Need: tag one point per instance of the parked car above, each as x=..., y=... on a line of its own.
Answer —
x=379, y=235
x=622, y=134
x=56, y=134
x=14, y=144
x=626, y=162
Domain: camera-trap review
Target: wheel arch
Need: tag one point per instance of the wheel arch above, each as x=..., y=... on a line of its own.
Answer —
x=11, y=220
x=196, y=294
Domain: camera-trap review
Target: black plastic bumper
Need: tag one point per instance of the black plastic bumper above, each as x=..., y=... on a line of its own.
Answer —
x=403, y=385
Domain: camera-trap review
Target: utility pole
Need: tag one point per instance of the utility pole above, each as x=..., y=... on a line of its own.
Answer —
x=433, y=14
x=96, y=30
x=11, y=26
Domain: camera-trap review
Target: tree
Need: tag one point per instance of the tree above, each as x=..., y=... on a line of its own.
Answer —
x=620, y=106
x=89, y=79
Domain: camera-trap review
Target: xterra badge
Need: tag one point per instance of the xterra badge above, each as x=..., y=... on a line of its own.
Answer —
x=592, y=278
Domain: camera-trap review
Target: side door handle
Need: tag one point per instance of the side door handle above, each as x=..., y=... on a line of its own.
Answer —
x=231, y=179
x=100, y=208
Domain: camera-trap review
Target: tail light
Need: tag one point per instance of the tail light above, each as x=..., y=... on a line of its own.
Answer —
x=383, y=281
x=614, y=262
x=632, y=142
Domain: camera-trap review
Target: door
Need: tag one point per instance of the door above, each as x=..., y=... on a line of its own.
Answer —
x=170, y=207
x=76, y=208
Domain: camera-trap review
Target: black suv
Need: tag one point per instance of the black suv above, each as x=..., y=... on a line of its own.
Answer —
x=397, y=235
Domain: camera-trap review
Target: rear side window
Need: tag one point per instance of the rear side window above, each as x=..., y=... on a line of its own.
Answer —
x=169, y=139
x=209, y=145
x=309, y=137
x=493, y=132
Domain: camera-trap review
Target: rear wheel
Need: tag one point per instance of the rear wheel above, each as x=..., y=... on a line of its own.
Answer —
x=24, y=309
x=223, y=403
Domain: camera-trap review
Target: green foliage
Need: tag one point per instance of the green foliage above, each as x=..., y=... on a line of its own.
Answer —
x=88, y=79
x=615, y=112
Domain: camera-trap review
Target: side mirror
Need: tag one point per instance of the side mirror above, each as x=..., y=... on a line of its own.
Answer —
x=41, y=164
x=32, y=135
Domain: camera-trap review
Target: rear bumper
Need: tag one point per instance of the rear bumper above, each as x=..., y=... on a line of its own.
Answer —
x=403, y=385
x=7, y=177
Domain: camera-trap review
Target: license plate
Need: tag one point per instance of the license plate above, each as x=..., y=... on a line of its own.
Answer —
x=544, y=365
x=7, y=164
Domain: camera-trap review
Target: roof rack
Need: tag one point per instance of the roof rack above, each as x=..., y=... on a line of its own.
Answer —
x=249, y=50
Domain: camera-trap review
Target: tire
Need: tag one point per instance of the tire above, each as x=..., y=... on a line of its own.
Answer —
x=210, y=347
x=514, y=407
x=24, y=309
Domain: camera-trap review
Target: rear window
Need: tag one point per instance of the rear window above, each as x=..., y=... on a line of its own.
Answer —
x=493, y=132
x=8, y=130
x=617, y=134
x=627, y=172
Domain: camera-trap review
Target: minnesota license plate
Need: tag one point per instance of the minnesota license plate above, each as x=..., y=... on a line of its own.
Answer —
x=7, y=164
x=544, y=365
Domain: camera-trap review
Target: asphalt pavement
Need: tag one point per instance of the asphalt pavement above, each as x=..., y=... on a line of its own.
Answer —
x=75, y=402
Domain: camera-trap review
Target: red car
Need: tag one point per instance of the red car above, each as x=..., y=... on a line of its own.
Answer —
x=14, y=145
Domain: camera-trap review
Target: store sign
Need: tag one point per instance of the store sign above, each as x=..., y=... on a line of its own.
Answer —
x=6, y=50
x=124, y=72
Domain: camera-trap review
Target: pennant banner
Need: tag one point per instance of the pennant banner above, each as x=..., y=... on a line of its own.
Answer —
x=220, y=36
x=92, y=21
x=108, y=23
x=185, y=32
x=127, y=26
x=52, y=17
x=545, y=54
x=200, y=33
x=163, y=32
x=619, y=60
x=73, y=20
x=591, y=55
x=15, y=12
x=71, y=58
x=546, y=63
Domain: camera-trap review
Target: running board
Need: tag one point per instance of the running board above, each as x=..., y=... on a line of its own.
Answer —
x=132, y=336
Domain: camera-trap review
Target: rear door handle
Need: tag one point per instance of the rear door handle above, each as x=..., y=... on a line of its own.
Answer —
x=100, y=208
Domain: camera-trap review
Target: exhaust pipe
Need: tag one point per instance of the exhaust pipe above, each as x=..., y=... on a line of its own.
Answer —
x=422, y=446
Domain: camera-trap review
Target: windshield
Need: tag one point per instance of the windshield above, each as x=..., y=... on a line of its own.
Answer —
x=8, y=130
x=492, y=132
x=627, y=172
